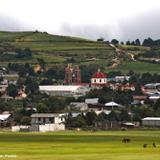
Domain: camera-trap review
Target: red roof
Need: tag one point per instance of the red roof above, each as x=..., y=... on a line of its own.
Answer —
x=99, y=75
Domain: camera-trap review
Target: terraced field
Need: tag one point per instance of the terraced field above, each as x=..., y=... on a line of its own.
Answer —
x=55, y=49
x=60, y=50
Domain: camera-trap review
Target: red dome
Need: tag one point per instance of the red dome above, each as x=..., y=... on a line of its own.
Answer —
x=99, y=75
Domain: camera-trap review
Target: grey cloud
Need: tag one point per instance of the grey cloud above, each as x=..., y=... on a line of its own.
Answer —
x=142, y=26
x=8, y=23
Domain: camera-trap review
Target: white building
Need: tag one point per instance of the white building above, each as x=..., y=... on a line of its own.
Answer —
x=151, y=89
x=45, y=122
x=65, y=90
x=99, y=79
x=151, y=121
x=93, y=101
x=122, y=78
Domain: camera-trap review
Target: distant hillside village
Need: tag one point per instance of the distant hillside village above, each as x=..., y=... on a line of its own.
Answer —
x=33, y=99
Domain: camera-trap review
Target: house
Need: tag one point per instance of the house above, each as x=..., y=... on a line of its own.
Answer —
x=154, y=97
x=65, y=90
x=139, y=99
x=45, y=122
x=121, y=78
x=99, y=79
x=111, y=105
x=93, y=104
x=93, y=101
x=5, y=119
x=128, y=125
x=151, y=121
x=151, y=89
x=122, y=87
x=80, y=106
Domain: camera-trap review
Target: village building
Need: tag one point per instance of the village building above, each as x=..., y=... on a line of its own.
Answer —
x=92, y=101
x=151, y=122
x=45, y=122
x=98, y=79
x=78, y=106
x=121, y=78
x=111, y=105
x=72, y=75
x=93, y=104
x=154, y=97
x=139, y=99
x=65, y=90
x=6, y=119
x=151, y=89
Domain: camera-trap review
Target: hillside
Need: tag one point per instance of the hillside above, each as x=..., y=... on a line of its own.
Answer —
x=60, y=50
x=138, y=65
x=57, y=49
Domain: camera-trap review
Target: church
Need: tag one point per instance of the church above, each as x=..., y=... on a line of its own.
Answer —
x=99, y=79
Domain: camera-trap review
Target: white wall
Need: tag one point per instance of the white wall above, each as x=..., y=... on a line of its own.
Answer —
x=51, y=127
x=99, y=80
x=152, y=123
x=18, y=128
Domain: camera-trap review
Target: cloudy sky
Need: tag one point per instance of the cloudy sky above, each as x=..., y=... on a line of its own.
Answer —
x=121, y=19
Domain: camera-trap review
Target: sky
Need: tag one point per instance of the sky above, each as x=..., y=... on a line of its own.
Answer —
x=120, y=19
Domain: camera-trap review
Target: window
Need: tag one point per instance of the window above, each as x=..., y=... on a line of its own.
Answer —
x=100, y=80
x=51, y=119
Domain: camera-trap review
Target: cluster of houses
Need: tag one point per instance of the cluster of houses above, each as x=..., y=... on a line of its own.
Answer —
x=7, y=79
x=44, y=122
x=98, y=80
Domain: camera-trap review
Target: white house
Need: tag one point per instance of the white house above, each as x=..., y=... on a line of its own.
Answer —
x=44, y=122
x=5, y=118
x=65, y=90
x=92, y=101
x=151, y=121
x=99, y=79
x=122, y=78
x=112, y=105
x=151, y=89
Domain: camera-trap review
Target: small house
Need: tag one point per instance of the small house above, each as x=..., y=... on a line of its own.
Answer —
x=151, y=121
x=44, y=122
x=5, y=119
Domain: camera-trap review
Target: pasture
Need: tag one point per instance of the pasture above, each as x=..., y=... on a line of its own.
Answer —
x=138, y=67
x=106, y=145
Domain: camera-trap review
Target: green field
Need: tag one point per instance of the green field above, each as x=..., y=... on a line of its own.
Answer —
x=138, y=67
x=70, y=145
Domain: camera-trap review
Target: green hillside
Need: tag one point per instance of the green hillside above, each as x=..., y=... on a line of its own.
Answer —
x=55, y=49
x=60, y=50
x=138, y=67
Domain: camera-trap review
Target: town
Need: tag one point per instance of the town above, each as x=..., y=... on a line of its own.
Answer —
x=108, y=101
x=79, y=80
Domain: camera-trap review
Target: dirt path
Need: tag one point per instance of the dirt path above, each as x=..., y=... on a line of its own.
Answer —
x=120, y=52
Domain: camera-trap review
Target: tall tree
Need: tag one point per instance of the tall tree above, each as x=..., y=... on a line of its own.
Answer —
x=137, y=42
x=12, y=90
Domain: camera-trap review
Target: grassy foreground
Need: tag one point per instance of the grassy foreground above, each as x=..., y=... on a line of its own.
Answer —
x=80, y=145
